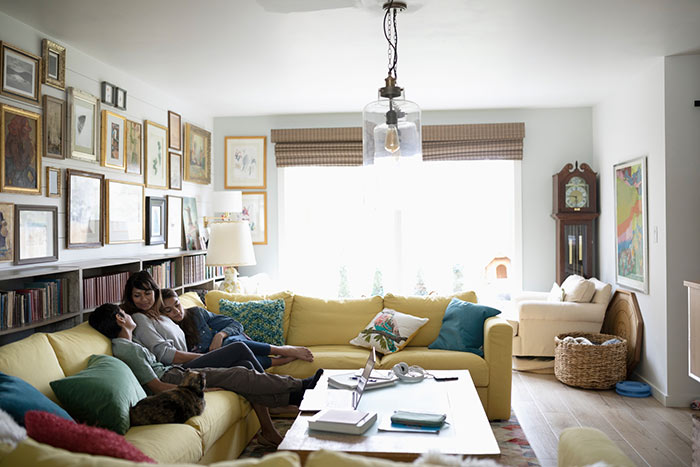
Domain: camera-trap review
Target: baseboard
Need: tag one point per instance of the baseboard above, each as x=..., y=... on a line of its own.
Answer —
x=675, y=400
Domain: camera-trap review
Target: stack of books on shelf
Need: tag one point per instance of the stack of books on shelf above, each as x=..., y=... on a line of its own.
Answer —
x=193, y=268
x=163, y=273
x=104, y=289
x=214, y=271
x=33, y=302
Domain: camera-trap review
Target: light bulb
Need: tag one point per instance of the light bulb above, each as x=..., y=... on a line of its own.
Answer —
x=391, y=143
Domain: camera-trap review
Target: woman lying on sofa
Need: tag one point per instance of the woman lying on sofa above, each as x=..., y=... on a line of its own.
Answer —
x=159, y=334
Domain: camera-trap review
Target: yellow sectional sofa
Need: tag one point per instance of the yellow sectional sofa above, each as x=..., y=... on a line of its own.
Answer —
x=325, y=326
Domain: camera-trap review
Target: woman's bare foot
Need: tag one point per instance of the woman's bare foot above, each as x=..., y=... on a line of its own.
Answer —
x=302, y=353
x=277, y=361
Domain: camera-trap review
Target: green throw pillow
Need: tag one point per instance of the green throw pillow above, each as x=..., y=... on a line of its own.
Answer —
x=261, y=319
x=463, y=327
x=101, y=394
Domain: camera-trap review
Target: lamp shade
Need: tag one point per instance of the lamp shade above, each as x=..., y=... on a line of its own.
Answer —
x=227, y=201
x=391, y=137
x=230, y=244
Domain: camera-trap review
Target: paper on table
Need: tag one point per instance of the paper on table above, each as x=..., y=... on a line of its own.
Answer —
x=386, y=425
x=350, y=417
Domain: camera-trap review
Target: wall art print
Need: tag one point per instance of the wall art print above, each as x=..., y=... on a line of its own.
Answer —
x=20, y=74
x=7, y=231
x=175, y=181
x=113, y=140
x=54, y=127
x=197, y=155
x=156, y=143
x=125, y=212
x=84, y=121
x=631, y=235
x=36, y=234
x=53, y=64
x=245, y=162
x=133, y=147
x=84, y=213
x=155, y=220
x=174, y=131
x=190, y=223
x=255, y=210
x=20, y=152
x=173, y=238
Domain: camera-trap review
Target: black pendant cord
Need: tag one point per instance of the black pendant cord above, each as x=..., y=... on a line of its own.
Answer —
x=392, y=37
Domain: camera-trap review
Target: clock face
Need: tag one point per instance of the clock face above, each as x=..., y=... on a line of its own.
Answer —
x=576, y=193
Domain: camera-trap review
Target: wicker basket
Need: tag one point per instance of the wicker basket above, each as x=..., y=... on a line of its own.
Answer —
x=590, y=366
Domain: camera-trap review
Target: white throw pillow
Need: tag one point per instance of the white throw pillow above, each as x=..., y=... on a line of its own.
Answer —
x=556, y=294
x=389, y=331
x=10, y=432
x=603, y=292
x=578, y=289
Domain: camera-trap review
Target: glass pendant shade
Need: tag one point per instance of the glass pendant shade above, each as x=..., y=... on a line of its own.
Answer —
x=392, y=131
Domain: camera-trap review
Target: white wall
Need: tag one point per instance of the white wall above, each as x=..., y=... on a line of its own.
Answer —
x=144, y=101
x=553, y=137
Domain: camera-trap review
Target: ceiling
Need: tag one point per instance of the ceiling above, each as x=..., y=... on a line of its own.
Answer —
x=248, y=57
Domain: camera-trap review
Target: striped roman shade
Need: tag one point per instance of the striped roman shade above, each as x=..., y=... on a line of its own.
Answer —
x=343, y=146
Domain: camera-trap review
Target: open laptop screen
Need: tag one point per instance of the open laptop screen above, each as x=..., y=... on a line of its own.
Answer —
x=362, y=381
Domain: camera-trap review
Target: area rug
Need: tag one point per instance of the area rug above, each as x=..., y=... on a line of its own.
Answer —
x=515, y=448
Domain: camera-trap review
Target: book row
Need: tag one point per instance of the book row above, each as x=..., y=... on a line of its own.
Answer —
x=35, y=301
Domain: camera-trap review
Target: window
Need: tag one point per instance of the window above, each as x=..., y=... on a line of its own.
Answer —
x=431, y=226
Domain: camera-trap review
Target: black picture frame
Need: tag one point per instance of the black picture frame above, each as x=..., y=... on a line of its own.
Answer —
x=23, y=253
x=108, y=93
x=156, y=214
x=120, y=98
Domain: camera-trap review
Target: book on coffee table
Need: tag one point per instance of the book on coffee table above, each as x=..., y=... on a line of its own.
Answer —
x=354, y=422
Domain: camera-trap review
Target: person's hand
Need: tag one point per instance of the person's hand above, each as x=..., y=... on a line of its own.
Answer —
x=217, y=340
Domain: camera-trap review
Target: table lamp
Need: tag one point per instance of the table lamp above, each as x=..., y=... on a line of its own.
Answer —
x=230, y=245
x=227, y=205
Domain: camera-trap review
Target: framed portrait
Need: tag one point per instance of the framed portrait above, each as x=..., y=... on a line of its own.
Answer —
x=53, y=64
x=54, y=127
x=53, y=182
x=155, y=142
x=631, y=233
x=7, y=231
x=133, y=147
x=190, y=224
x=113, y=140
x=36, y=234
x=125, y=212
x=155, y=220
x=255, y=210
x=107, y=95
x=83, y=120
x=120, y=98
x=20, y=151
x=245, y=162
x=174, y=131
x=20, y=74
x=173, y=238
x=197, y=155
x=84, y=212
x=175, y=181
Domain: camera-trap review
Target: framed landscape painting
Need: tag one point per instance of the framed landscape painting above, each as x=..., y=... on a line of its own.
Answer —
x=84, y=213
x=255, y=210
x=84, y=121
x=245, y=162
x=631, y=233
x=54, y=127
x=36, y=234
x=113, y=140
x=173, y=238
x=20, y=74
x=197, y=155
x=155, y=143
x=7, y=231
x=20, y=151
x=53, y=64
x=125, y=212
x=133, y=147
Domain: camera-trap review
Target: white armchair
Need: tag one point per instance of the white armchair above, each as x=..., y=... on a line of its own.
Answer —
x=537, y=320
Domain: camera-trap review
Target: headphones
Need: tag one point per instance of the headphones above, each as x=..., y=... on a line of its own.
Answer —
x=409, y=374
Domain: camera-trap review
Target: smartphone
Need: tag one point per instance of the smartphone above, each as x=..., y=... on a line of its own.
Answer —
x=447, y=378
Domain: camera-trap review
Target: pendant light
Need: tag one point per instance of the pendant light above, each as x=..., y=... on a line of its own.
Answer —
x=391, y=124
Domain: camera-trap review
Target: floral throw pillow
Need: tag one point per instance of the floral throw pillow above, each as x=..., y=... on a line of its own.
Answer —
x=261, y=319
x=389, y=331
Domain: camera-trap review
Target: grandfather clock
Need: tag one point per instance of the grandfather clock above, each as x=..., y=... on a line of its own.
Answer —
x=575, y=210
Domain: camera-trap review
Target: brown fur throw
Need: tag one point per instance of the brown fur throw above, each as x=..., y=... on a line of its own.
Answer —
x=172, y=406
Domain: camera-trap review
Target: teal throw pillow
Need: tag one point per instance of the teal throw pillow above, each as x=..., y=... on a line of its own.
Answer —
x=18, y=396
x=261, y=319
x=463, y=327
x=101, y=394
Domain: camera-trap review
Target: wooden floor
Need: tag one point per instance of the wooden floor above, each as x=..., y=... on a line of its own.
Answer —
x=649, y=433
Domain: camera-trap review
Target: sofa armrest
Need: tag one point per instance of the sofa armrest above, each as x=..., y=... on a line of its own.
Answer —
x=523, y=296
x=498, y=351
x=560, y=311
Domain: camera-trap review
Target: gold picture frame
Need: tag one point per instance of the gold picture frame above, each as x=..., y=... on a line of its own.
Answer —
x=19, y=73
x=245, y=162
x=255, y=212
x=113, y=140
x=134, y=148
x=125, y=203
x=197, y=155
x=20, y=169
x=53, y=182
x=53, y=64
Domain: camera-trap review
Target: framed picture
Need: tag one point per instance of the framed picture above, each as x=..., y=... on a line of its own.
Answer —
x=173, y=239
x=255, y=210
x=54, y=127
x=125, y=212
x=155, y=220
x=53, y=64
x=84, y=120
x=133, y=147
x=20, y=74
x=7, y=231
x=631, y=234
x=113, y=141
x=155, y=142
x=197, y=155
x=175, y=171
x=174, y=131
x=20, y=151
x=36, y=234
x=108, y=95
x=120, y=98
x=190, y=224
x=53, y=182
x=84, y=212
x=245, y=162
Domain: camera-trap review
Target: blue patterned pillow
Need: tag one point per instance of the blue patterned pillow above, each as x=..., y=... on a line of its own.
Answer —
x=261, y=319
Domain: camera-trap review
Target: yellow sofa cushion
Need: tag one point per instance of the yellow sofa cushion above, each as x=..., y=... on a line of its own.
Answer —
x=431, y=307
x=167, y=443
x=434, y=359
x=223, y=409
x=325, y=356
x=33, y=360
x=74, y=346
x=190, y=299
x=212, y=298
x=31, y=453
x=315, y=321
x=325, y=458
